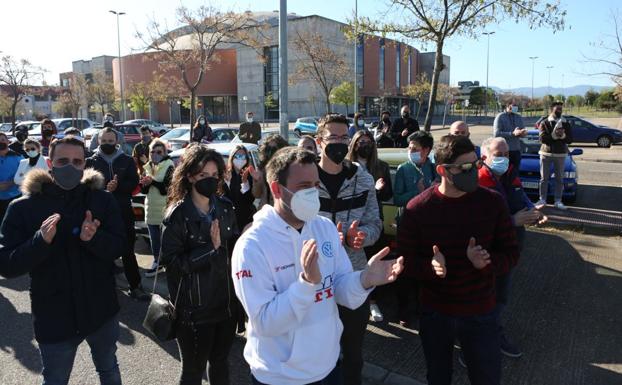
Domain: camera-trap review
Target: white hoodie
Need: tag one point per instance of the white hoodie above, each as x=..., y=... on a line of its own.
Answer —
x=294, y=328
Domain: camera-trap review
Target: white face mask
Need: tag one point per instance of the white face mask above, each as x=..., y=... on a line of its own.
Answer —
x=239, y=163
x=201, y=121
x=305, y=204
x=250, y=119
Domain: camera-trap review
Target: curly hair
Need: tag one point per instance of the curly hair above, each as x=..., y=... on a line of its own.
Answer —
x=194, y=159
x=269, y=147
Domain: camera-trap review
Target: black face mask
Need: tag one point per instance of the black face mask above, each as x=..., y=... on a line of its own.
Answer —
x=558, y=114
x=364, y=151
x=21, y=137
x=67, y=177
x=387, y=120
x=3, y=146
x=336, y=152
x=206, y=186
x=108, y=148
x=465, y=181
x=47, y=134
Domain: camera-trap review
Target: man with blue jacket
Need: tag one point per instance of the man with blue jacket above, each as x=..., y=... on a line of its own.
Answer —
x=290, y=271
x=65, y=233
x=9, y=163
x=509, y=125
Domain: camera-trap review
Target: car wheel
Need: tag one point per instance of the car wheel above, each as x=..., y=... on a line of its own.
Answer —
x=604, y=141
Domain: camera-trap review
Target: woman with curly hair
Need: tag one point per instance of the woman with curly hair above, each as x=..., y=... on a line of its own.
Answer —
x=196, y=246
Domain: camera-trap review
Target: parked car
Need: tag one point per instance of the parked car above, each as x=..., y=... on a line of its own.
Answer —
x=63, y=123
x=529, y=171
x=30, y=125
x=155, y=127
x=306, y=125
x=293, y=138
x=7, y=128
x=220, y=135
x=584, y=131
x=138, y=201
x=174, y=134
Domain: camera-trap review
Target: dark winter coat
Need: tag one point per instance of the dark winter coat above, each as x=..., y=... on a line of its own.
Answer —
x=72, y=284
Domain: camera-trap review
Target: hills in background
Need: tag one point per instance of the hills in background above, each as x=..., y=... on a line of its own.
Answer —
x=539, y=92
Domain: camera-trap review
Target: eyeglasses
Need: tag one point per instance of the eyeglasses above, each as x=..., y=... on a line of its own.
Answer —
x=465, y=167
x=336, y=138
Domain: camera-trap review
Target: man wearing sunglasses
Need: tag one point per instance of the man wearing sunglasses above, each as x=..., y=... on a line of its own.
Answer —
x=458, y=237
x=348, y=199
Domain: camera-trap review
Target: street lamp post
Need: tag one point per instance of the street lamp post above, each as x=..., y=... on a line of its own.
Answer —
x=283, y=97
x=487, y=64
x=548, y=88
x=117, y=13
x=356, y=45
x=533, y=66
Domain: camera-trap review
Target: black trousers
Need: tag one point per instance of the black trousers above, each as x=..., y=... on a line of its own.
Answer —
x=4, y=204
x=130, y=265
x=515, y=157
x=354, y=327
x=203, y=343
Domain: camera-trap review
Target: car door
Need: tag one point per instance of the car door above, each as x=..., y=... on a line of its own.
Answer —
x=581, y=131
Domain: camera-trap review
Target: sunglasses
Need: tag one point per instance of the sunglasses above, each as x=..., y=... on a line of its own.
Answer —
x=465, y=167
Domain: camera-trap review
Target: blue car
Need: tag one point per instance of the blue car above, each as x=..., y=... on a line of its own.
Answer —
x=588, y=132
x=306, y=126
x=529, y=170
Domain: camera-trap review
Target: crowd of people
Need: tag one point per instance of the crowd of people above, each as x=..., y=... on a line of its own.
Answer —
x=288, y=251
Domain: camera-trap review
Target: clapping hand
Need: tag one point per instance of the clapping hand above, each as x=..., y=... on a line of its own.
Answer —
x=438, y=262
x=379, y=272
x=255, y=174
x=146, y=180
x=89, y=227
x=478, y=256
x=380, y=184
x=309, y=262
x=353, y=237
x=215, y=234
x=48, y=228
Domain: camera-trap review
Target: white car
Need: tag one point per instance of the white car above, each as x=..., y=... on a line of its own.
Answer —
x=155, y=127
x=64, y=123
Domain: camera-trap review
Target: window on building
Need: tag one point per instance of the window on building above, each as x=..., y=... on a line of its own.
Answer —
x=381, y=65
x=271, y=81
x=398, y=65
x=360, y=57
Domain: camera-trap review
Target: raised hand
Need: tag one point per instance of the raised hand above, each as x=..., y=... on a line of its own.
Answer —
x=113, y=184
x=255, y=174
x=380, y=184
x=340, y=230
x=89, y=227
x=246, y=173
x=146, y=180
x=478, y=256
x=309, y=262
x=48, y=228
x=438, y=262
x=215, y=234
x=379, y=272
x=354, y=237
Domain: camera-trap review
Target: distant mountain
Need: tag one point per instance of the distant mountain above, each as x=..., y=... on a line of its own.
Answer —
x=539, y=92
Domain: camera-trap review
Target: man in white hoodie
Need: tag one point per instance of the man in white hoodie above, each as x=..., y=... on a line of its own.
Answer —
x=290, y=271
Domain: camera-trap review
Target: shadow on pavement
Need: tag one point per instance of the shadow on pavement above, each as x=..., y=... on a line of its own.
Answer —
x=599, y=197
x=564, y=312
x=17, y=337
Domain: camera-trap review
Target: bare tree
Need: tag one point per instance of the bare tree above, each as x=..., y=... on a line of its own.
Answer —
x=609, y=53
x=436, y=21
x=317, y=61
x=142, y=94
x=18, y=77
x=74, y=97
x=192, y=49
x=101, y=91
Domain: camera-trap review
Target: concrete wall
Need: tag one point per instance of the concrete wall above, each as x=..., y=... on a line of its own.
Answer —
x=426, y=64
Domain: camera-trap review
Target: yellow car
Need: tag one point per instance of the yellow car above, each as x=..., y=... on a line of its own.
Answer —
x=394, y=157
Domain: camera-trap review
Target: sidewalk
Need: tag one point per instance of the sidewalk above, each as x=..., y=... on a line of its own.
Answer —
x=593, y=221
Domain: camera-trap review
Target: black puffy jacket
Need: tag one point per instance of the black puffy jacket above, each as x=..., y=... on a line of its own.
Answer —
x=202, y=274
x=72, y=285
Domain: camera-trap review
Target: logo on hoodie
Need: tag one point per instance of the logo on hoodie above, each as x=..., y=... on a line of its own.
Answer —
x=326, y=291
x=327, y=249
x=244, y=274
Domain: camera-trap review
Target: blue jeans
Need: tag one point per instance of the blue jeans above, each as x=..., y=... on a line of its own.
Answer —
x=58, y=357
x=333, y=378
x=479, y=337
x=155, y=236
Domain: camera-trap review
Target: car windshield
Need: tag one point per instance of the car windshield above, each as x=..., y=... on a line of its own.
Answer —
x=175, y=133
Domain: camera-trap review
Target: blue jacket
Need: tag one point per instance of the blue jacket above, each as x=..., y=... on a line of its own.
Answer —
x=72, y=284
x=504, y=125
x=8, y=167
x=407, y=178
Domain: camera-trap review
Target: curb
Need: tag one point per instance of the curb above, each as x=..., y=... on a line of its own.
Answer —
x=379, y=375
x=599, y=160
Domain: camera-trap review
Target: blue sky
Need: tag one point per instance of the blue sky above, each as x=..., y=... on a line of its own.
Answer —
x=54, y=33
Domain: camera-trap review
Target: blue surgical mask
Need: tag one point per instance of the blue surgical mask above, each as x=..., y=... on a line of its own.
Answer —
x=500, y=165
x=415, y=157
x=515, y=109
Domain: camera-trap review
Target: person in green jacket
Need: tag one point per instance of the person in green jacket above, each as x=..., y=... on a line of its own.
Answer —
x=157, y=174
x=412, y=178
x=417, y=174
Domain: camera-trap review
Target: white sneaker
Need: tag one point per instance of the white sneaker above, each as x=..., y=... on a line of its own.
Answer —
x=376, y=315
x=560, y=206
x=540, y=204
